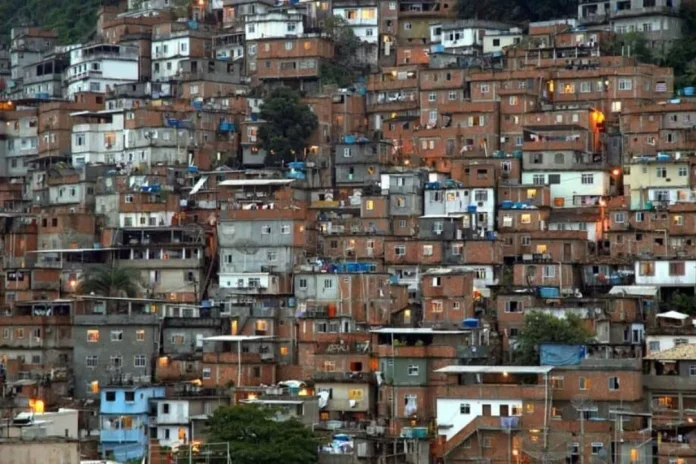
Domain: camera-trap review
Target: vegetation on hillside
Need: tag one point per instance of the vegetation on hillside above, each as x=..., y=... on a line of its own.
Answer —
x=288, y=124
x=542, y=328
x=73, y=19
x=256, y=437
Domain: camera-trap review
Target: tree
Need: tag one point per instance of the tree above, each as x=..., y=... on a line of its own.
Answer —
x=634, y=43
x=114, y=282
x=682, y=303
x=545, y=328
x=344, y=69
x=288, y=124
x=516, y=10
x=256, y=437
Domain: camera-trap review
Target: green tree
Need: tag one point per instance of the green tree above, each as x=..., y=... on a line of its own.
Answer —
x=515, y=10
x=682, y=55
x=256, y=437
x=545, y=328
x=344, y=69
x=682, y=303
x=111, y=282
x=287, y=124
x=634, y=43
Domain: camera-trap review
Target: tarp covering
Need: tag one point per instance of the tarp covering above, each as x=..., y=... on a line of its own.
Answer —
x=561, y=355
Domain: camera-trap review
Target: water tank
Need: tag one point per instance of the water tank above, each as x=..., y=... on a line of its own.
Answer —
x=689, y=91
x=559, y=202
x=470, y=323
x=471, y=208
x=507, y=204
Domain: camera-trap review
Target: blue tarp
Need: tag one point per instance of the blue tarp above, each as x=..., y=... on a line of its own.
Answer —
x=561, y=355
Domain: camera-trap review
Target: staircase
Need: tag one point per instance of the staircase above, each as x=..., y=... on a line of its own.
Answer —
x=480, y=422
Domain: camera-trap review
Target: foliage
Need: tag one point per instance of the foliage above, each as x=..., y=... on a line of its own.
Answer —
x=256, y=438
x=682, y=55
x=73, y=20
x=682, y=303
x=516, y=10
x=635, y=43
x=288, y=124
x=545, y=328
x=344, y=69
x=111, y=282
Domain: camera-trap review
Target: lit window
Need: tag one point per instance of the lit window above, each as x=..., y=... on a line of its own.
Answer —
x=93, y=336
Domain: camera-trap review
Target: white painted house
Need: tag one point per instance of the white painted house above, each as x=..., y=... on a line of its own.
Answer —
x=362, y=19
x=572, y=188
x=100, y=67
x=99, y=139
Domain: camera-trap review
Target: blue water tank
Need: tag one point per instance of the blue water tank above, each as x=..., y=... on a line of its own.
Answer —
x=664, y=157
x=689, y=91
x=471, y=208
x=470, y=323
x=548, y=292
x=490, y=235
x=349, y=139
x=507, y=204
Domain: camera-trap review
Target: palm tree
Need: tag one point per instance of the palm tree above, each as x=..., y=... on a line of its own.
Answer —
x=111, y=282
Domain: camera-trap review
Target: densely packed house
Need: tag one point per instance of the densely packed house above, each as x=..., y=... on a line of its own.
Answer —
x=377, y=287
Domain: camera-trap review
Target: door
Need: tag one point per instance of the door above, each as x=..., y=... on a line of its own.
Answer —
x=504, y=410
x=486, y=410
x=567, y=252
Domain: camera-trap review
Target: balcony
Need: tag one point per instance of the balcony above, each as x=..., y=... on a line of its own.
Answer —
x=670, y=383
x=555, y=145
x=165, y=419
x=344, y=377
x=136, y=435
x=649, y=11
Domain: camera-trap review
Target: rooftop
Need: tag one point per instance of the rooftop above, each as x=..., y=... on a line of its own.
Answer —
x=495, y=370
x=686, y=352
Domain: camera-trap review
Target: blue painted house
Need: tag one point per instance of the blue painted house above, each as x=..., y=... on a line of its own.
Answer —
x=123, y=420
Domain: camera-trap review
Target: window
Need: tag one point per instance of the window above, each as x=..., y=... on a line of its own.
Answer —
x=583, y=383
x=302, y=283
x=432, y=96
x=654, y=346
x=480, y=195
x=266, y=229
x=681, y=341
x=139, y=360
x=117, y=335
x=177, y=339
x=597, y=447
x=370, y=205
x=413, y=370
x=206, y=373
x=585, y=87
x=513, y=307
x=285, y=229
x=140, y=335
x=526, y=218
x=437, y=306
x=400, y=250
x=271, y=256
x=513, y=100
x=677, y=268
x=116, y=361
x=625, y=84
x=646, y=268
x=587, y=179
x=93, y=336
x=427, y=250
x=437, y=281
x=557, y=383
x=465, y=408
x=616, y=107
x=661, y=171
x=328, y=283
x=619, y=218
x=452, y=95
x=613, y=383
x=487, y=442
x=485, y=88
x=407, y=26
x=538, y=179
x=549, y=272
x=110, y=396
x=91, y=361
x=6, y=333
x=640, y=216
